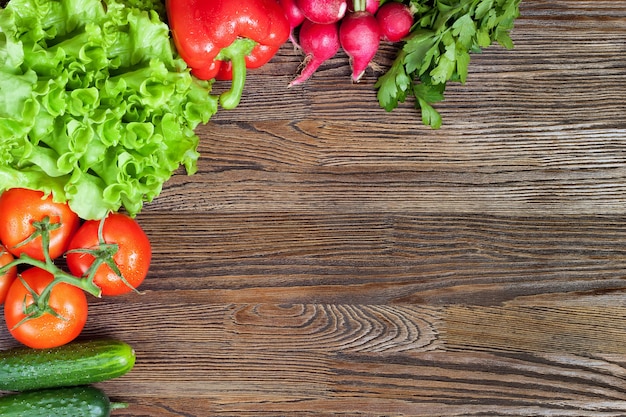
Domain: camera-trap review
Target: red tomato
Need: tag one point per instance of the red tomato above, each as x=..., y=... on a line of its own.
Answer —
x=20, y=208
x=48, y=330
x=132, y=257
x=8, y=277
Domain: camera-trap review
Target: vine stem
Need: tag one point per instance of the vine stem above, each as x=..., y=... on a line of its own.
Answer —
x=43, y=228
x=59, y=275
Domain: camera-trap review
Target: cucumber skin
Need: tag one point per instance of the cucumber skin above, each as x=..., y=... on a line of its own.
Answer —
x=77, y=363
x=83, y=401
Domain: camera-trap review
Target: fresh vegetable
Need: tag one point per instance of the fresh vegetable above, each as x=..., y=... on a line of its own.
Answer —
x=76, y=363
x=294, y=17
x=319, y=42
x=96, y=107
x=25, y=213
x=42, y=316
x=208, y=33
x=438, y=50
x=82, y=401
x=394, y=20
x=357, y=32
x=7, y=277
x=437, y=38
x=46, y=305
x=128, y=245
x=360, y=37
x=323, y=11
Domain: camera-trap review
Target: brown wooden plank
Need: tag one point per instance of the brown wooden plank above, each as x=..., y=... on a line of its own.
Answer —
x=332, y=259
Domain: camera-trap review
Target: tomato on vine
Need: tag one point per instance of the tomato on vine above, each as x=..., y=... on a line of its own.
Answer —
x=114, y=251
x=42, y=316
x=7, y=277
x=24, y=214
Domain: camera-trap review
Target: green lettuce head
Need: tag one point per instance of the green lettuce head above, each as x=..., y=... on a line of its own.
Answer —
x=96, y=107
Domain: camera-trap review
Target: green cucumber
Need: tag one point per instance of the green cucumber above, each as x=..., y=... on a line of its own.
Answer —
x=81, y=401
x=77, y=363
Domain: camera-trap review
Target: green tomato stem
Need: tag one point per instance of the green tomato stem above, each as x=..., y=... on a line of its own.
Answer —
x=43, y=228
x=58, y=274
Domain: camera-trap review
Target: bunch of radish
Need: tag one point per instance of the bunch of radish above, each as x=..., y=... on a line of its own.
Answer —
x=357, y=26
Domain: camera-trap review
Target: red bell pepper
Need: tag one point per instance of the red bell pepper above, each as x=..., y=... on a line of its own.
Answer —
x=217, y=38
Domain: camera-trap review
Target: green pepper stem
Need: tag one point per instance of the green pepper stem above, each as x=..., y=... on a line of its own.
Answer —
x=236, y=53
x=231, y=98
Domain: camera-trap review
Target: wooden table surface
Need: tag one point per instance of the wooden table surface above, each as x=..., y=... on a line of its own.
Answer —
x=330, y=258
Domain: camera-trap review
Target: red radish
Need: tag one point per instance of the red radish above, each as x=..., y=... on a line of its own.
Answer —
x=319, y=42
x=360, y=37
x=370, y=6
x=294, y=16
x=395, y=21
x=323, y=11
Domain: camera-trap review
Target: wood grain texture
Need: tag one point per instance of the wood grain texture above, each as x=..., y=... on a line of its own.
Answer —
x=333, y=259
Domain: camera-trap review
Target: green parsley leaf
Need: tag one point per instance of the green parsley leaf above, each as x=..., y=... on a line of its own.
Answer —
x=464, y=29
x=417, y=47
x=430, y=116
x=462, y=64
x=393, y=85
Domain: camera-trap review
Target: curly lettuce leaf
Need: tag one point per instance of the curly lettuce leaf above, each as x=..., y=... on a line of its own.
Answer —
x=95, y=105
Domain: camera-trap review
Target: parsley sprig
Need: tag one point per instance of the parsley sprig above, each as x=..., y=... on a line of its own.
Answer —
x=438, y=50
